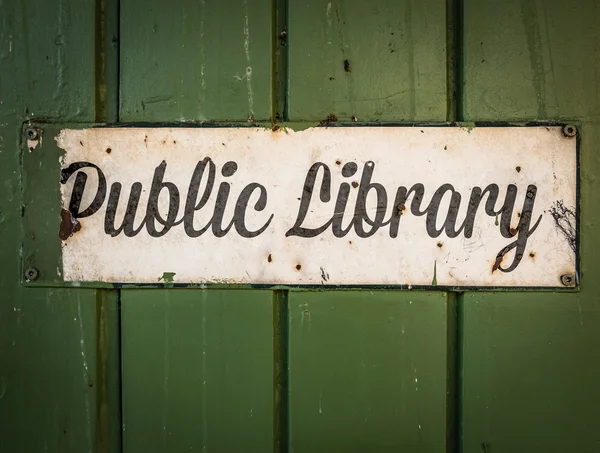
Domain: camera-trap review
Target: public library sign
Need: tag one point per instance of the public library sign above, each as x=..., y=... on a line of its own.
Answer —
x=382, y=205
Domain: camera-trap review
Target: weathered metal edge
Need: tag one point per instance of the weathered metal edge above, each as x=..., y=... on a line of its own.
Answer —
x=297, y=288
x=301, y=126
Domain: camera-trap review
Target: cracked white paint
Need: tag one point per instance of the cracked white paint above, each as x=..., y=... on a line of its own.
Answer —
x=279, y=161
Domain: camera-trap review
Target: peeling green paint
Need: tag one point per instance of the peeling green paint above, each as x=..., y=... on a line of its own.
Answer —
x=467, y=125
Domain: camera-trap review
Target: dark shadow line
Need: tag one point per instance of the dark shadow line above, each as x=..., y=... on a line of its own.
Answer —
x=281, y=421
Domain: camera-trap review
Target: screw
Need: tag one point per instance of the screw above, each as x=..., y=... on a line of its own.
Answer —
x=568, y=279
x=569, y=131
x=283, y=38
x=31, y=274
x=32, y=133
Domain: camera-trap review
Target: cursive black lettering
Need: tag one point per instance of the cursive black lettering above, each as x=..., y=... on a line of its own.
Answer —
x=152, y=210
x=192, y=204
x=239, y=217
x=325, y=196
x=360, y=210
x=79, y=188
x=129, y=217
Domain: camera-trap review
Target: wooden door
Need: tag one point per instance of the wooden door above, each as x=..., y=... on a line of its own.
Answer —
x=136, y=370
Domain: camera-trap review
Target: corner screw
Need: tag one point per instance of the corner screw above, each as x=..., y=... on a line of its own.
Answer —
x=32, y=133
x=31, y=274
x=569, y=131
x=568, y=279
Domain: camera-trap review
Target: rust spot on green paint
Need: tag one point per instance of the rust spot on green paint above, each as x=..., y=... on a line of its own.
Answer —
x=331, y=118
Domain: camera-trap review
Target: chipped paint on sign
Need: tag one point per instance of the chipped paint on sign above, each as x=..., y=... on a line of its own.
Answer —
x=490, y=206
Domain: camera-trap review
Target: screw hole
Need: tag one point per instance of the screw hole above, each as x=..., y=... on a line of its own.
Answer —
x=569, y=131
x=568, y=280
x=32, y=133
x=31, y=273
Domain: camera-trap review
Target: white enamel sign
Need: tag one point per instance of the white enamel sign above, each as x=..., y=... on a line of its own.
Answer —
x=415, y=206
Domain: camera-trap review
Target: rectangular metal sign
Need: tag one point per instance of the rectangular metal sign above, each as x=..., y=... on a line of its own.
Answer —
x=415, y=206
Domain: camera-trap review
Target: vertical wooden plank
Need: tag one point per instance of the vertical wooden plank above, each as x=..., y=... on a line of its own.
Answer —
x=208, y=382
x=48, y=339
x=373, y=61
x=197, y=370
x=530, y=372
x=530, y=360
x=188, y=60
x=50, y=379
x=48, y=48
x=109, y=419
x=367, y=371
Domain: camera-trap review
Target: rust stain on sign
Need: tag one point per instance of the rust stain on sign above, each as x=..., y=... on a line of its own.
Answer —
x=335, y=206
x=69, y=225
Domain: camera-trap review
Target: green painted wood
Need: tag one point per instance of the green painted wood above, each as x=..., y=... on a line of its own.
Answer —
x=395, y=53
x=197, y=370
x=47, y=59
x=187, y=60
x=41, y=205
x=531, y=373
x=49, y=375
x=198, y=364
x=367, y=371
x=531, y=367
x=57, y=380
x=354, y=356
